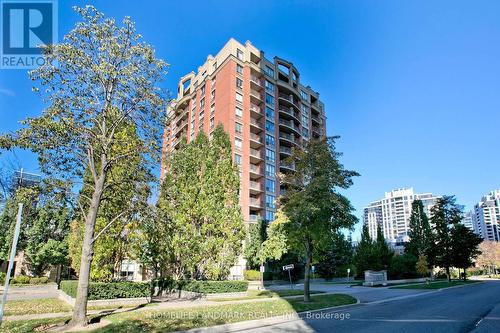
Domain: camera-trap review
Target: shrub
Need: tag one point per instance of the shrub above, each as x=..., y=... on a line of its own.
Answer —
x=101, y=290
x=402, y=267
x=21, y=279
x=251, y=275
x=2, y=277
x=39, y=280
x=213, y=287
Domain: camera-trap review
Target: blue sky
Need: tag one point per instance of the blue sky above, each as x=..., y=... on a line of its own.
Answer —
x=412, y=87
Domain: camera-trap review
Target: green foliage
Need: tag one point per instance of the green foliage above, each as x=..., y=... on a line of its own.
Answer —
x=445, y=215
x=200, y=211
x=24, y=279
x=275, y=245
x=420, y=231
x=382, y=252
x=214, y=287
x=465, y=245
x=336, y=259
x=364, y=256
x=253, y=243
x=312, y=202
x=2, y=278
x=422, y=266
x=402, y=267
x=103, y=290
x=252, y=275
x=127, y=181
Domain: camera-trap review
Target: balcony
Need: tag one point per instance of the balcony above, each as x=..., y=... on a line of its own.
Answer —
x=254, y=218
x=255, y=140
x=256, y=125
x=255, y=97
x=286, y=150
x=255, y=187
x=255, y=203
x=255, y=171
x=256, y=110
x=317, y=132
x=289, y=100
x=255, y=156
x=289, y=124
x=289, y=113
x=287, y=166
x=255, y=83
x=178, y=131
x=316, y=119
x=290, y=138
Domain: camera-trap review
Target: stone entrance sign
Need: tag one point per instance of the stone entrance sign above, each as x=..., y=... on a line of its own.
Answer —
x=374, y=278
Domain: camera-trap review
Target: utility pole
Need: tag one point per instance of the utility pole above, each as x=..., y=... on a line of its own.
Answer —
x=11, y=260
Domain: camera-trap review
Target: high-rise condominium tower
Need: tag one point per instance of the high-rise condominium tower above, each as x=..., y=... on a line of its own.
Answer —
x=264, y=107
x=487, y=216
x=392, y=213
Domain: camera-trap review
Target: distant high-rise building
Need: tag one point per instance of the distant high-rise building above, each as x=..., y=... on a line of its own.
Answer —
x=487, y=216
x=264, y=107
x=469, y=221
x=392, y=214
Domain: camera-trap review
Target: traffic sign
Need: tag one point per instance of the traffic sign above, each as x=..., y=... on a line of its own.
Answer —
x=288, y=267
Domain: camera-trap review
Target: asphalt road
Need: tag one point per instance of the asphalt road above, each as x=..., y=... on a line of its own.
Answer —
x=472, y=308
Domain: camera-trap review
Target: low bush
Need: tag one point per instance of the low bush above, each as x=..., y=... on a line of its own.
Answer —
x=213, y=287
x=251, y=275
x=101, y=290
x=2, y=277
x=39, y=280
x=21, y=279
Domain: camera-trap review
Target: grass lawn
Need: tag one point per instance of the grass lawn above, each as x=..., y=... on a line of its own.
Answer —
x=255, y=294
x=182, y=319
x=433, y=285
x=36, y=306
x=352, y=283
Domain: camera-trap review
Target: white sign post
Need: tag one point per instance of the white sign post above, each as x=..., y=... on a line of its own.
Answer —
x=289, y=268
x=348, y=271
x=11, y=260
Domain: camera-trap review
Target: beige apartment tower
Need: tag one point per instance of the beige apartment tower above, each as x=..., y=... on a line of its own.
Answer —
x=263, y=106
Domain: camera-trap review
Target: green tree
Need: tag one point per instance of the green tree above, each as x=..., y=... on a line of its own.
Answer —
x=276, y=243
x=465, y=247
x=445, y=215
x=100, y=77
x=199, y=206
x=422, y=266
x=420, y=231
x=253, y=243
x=364, y=256
x=336, y=259
x=312, y=203
x=382, y=252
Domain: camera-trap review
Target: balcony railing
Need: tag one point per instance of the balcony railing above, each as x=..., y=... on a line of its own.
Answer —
x=255, y=185
x=255, y=122
x=290, y=124
x=255, y=109
x=255, y=137
x=256, y=94
x=255, y=153
x=289, y=137
x=256, y=80
x=285, y=150
x=255, y=202
x=289, y=111
x=254, y=217
x=289, y=166
x=255, y=169
x=288, y=98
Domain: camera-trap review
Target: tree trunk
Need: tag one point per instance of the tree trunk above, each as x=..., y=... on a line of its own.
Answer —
x=307, y=297
x=80, y=309
x=448, y=273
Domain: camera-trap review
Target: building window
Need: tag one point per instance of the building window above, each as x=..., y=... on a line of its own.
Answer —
x=212, y=94
x=270, y=185
x=239, y=69
x=192, y=125
x=202, y=90
x=269, y=113
x=239, y=112
x=270, y=201
x=212, y=122
x=304, y=109
x=127, y=269
x=238, y=143
x=238, y=128
x=305, y=133
x=202, y=114
x=270, y=170
x=202, y=103
x=212, y=109
x=303, y=94
x=214, y=66
x=270, y=140
x=269, y=100
x=237, y=159
x=305, y=121
x=269, y=71
x=239, y=83
x=269, y=126
x=269, y=86
x=270, y=157
x=239, y=54
x=269, y=216
x=239, y=97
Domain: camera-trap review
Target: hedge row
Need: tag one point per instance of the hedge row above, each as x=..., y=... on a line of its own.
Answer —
x=101, y=290
x=23, y=279
x=251, y=275
x=204, y=287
